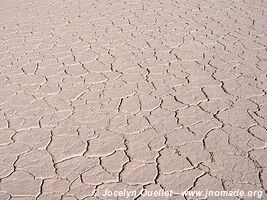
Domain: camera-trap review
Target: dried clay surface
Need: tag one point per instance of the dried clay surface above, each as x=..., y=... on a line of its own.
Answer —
x=132, y=94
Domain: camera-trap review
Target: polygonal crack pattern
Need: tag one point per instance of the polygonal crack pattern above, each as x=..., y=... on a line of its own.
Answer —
x=131, y=95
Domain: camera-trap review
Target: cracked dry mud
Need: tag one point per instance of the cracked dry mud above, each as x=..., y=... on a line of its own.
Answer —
x=132, y=94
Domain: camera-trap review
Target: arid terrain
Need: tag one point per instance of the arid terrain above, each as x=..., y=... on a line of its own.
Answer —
x=113, y=95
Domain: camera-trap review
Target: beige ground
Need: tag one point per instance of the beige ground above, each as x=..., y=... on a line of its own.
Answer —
x=112, y=94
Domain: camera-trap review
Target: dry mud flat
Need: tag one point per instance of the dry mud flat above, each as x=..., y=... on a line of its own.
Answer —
x=117, y=96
